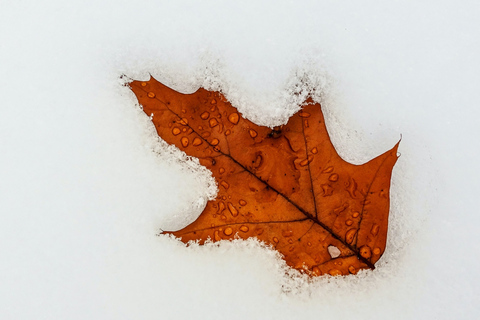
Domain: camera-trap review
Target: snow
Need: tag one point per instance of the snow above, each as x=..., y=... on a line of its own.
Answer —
x=85, y=185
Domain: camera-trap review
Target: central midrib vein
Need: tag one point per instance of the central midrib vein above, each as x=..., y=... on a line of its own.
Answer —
x=307, y=214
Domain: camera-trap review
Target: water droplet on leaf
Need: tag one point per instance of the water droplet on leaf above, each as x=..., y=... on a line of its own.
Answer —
x=365, y=252
x=327, y=190
x=232, y=209
x=333, y=177
x=287, y=233
x=225, y=184
x=221, y=207
x=328, y=170
x=197, y=142
x=213, y=122
x=352, y=270
x=350, y=235
x=233, y=118
x=335, y=272
x=316, y=271
x=303, y=163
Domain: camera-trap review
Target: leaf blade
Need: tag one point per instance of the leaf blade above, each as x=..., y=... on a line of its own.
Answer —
x=287, y=187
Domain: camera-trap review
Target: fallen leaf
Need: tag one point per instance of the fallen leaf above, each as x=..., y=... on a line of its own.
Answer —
x=285, y=186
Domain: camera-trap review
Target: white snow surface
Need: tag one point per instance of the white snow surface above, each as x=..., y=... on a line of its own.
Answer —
x=86, y=185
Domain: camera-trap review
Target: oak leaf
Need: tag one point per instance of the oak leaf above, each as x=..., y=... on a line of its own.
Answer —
x=285, y=186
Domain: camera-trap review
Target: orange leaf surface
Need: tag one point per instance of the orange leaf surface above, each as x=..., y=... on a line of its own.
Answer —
x=287, y=187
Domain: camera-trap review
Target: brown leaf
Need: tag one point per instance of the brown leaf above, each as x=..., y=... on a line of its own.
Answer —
x=287, y=187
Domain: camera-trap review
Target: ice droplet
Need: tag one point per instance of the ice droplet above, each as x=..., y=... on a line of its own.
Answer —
x=333, y=251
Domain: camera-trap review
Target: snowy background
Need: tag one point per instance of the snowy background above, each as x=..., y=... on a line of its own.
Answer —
x=85, y=185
